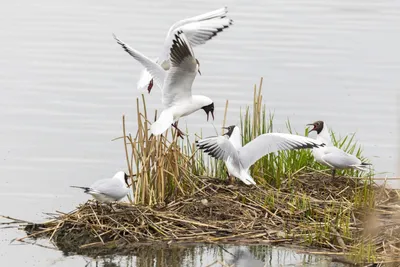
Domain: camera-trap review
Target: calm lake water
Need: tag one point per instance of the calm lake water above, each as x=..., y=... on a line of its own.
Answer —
x=65, y=84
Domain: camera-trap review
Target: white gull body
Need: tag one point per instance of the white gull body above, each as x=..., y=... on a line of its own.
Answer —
x=175, y=84
x=331, y=156
x=238, y=159
x=108, y=190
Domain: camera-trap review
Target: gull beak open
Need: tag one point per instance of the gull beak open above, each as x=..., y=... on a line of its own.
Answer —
x=212, y=114
x=208, y=114
x=311, y=124
x=209, y=109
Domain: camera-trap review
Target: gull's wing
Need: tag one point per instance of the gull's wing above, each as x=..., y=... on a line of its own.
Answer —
x=218, y=147
x=198, y=29
x=152, y=67
x=273, y=142
x=183, y=70
x=340, y=159
x=109, y=187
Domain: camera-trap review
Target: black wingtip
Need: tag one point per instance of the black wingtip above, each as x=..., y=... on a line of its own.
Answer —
x=180, y=49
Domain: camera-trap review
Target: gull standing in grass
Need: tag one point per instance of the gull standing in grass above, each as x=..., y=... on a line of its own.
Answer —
x=331, y=156
x=238, y=159
x=198, y=30
x=108, y=190
x=175, y=84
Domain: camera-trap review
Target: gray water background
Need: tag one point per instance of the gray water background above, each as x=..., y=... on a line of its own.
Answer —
x=65, y=84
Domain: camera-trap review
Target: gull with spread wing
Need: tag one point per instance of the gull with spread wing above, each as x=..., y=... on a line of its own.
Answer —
x=108, y=190
x=331, y=156
x=198, y=30
x=175, y=84
x=238, y=159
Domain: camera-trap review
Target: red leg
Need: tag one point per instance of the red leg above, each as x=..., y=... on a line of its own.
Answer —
x=150, y=86
x=180, y=133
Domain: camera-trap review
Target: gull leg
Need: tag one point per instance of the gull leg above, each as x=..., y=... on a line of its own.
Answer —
x=180, y=133
x=230, y=178
x=333, y=173
x=111, y=206
x=150, y=86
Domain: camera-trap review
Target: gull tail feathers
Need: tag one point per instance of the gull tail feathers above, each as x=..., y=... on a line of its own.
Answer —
x=365, y=164
x=362, y=167
x=246, y=178
x=163, y=123
x=86, y=189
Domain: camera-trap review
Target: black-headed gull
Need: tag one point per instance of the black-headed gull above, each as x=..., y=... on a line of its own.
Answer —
x=238, y=159
x=108, y=190
x=331, y=156
x=198, y=30
x=175, y=84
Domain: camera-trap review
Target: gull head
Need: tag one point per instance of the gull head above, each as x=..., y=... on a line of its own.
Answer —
x=318, y=126
x=198, y=66
x=122, y=176
x=230, y=130
x=209, y=109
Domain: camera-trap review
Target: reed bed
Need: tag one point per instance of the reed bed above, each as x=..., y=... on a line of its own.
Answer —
x=179, y=195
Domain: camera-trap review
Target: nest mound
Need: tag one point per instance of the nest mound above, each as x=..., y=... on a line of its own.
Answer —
x=311, y=210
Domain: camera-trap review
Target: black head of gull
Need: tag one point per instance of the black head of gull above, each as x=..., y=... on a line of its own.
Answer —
x=318, y=126
x=230, y=130
x=209, y=109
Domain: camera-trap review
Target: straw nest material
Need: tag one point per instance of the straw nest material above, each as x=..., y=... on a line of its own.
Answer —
x=320, y=213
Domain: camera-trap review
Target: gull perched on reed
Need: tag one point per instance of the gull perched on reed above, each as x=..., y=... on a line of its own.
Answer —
x=108, y=190
x=238, y=159
x=198, y=30
x=331, y=156
x=175, y=84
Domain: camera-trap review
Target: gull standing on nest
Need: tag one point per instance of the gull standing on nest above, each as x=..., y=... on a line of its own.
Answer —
x=331, y=156
x=108, y=190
